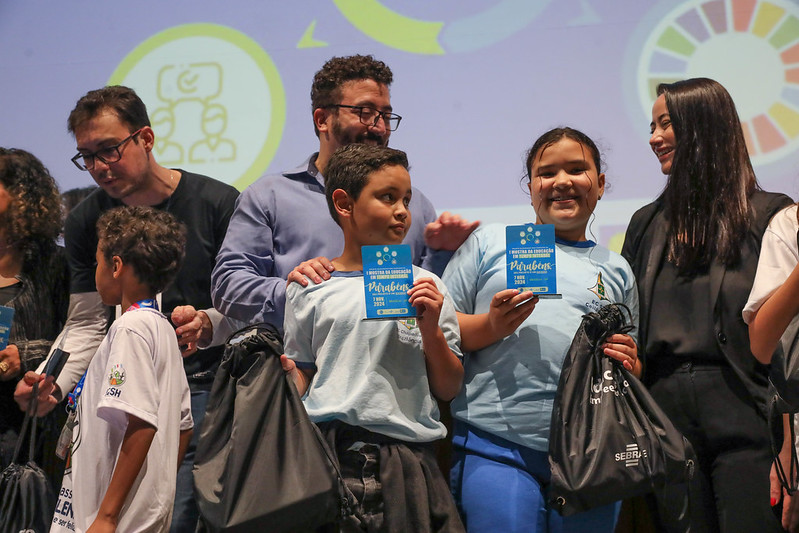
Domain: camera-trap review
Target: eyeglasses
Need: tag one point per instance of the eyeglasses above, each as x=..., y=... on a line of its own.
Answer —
x=369, y=116
x=108, y=155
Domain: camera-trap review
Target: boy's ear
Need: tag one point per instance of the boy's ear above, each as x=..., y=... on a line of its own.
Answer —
x=117, y=263
x=342, y=202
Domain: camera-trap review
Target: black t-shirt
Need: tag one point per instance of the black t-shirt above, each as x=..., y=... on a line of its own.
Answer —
x=204, y=205
x=684, y=324
x=9, y=293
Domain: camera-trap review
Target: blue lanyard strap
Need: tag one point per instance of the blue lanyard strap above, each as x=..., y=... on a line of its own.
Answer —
x=149, y=303
x=72, y=397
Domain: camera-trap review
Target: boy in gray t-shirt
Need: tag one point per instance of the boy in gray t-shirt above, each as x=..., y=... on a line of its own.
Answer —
x=371, y=385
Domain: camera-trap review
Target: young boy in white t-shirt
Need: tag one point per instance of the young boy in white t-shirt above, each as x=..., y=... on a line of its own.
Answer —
x=133, y=415
x=372, y=384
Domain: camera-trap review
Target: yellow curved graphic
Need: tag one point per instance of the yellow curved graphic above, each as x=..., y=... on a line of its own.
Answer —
x=392, y=29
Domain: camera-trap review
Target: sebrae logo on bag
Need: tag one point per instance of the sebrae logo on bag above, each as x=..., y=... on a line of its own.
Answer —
x=631, y=456
x=606, y=385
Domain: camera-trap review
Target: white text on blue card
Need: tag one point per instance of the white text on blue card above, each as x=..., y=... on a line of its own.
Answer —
x=530, y=258
x=387, y=277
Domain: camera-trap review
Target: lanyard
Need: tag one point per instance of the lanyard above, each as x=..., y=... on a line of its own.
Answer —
x=72, y=397
x=149, y=303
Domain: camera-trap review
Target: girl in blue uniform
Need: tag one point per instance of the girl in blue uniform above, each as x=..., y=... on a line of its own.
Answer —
x=514, y=345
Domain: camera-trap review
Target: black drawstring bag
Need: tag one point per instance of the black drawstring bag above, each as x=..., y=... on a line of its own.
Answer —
x=261, y=464
x=608, y=438
x=27, y=501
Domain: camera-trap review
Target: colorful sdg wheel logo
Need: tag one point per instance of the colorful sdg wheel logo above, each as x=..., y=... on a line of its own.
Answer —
x=749, y=46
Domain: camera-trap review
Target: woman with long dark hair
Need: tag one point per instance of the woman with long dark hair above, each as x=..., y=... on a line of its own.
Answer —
x=694, y=252
x=34, y=281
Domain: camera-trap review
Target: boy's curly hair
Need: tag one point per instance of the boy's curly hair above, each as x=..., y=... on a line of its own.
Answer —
x=327, y=82
x=33, y=219
x=153, y=242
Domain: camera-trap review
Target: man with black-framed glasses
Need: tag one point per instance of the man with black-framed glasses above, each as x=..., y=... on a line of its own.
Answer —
x=115, y=145
x=282, y=222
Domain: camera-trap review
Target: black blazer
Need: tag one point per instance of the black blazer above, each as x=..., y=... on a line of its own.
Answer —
x=644, y=248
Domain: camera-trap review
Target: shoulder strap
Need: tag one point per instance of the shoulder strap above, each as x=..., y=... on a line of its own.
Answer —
x=30, y=419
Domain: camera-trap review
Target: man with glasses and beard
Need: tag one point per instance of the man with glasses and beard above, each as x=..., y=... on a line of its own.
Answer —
x=115, y=145
x=282, y=221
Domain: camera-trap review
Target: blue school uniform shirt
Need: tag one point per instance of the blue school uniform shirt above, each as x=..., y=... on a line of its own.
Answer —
x=369, y=373
x=509, y=386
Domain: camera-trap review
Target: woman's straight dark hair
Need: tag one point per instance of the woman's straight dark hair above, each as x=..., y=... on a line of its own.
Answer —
x=706, y=197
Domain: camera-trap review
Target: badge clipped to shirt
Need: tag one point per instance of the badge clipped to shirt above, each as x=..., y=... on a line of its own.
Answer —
x=530, y=258
x=387, y=277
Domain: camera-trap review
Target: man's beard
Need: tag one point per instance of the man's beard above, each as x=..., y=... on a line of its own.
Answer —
x=344, y=138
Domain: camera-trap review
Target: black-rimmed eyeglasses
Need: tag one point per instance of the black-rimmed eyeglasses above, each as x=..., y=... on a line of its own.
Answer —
x=108, y=155
x=369, y=116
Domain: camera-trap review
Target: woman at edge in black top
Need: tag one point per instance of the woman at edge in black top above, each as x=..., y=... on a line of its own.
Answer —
x=34, y=280
x=694, y=252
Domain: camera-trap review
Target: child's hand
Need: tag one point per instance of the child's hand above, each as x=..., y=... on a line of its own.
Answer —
x=427, y=299
x=295, y=374
x=508, y=309
x=622, y=347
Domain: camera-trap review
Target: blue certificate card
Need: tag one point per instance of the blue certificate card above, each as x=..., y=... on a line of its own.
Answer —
x=6, y=318
x=387, y=276
x=530, y=255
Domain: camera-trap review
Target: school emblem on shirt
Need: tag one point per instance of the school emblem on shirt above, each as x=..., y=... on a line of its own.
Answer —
x=408, y=331
x=117, y=375
x=599, y=288
x=409, y=323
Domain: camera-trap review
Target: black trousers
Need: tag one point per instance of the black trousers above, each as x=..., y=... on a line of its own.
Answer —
x=730, y=489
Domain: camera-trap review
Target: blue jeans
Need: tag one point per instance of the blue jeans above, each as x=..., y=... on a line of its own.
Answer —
x=185, y=513
x=501, y=486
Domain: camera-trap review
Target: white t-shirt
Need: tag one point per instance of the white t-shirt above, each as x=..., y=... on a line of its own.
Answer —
x=778, y=257
x=370, y=373
x=137, y=371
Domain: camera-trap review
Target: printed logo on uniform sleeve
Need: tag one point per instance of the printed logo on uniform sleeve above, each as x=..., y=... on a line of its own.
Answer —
x=117, y=375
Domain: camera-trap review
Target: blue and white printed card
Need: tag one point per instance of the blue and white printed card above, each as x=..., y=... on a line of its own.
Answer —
x=387, y=276
x=6, y=319
x=530, y=255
